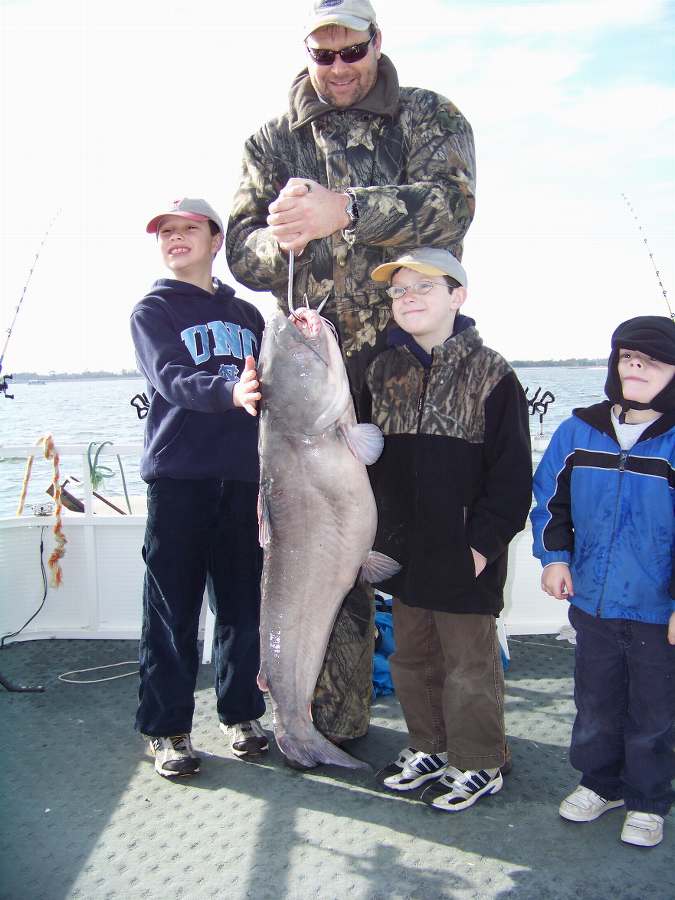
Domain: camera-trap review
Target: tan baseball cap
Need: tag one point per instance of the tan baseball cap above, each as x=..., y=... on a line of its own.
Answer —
x=355, y=14
x=428, y=261
x=188, y=208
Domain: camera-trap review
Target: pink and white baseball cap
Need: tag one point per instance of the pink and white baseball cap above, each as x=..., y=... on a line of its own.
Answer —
x=188, y=208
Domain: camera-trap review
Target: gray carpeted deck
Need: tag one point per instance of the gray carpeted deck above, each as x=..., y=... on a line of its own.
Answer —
x=85, y=815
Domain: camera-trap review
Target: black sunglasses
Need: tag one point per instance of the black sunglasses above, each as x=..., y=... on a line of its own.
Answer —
x=347, y=54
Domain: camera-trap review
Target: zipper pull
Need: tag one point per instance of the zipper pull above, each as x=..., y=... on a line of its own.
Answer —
x=420, y=400
x=623, y=456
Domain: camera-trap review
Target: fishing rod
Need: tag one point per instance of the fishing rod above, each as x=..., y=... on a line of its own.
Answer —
x=3, y=378
x=651, y=255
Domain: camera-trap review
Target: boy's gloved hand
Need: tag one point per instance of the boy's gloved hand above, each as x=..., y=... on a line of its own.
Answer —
x=671, y=629
x=245, y=393
x=556, y=580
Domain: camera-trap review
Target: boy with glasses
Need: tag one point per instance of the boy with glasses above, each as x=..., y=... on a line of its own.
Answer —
x=357, y=170
x=604, y=530
x=453, y=487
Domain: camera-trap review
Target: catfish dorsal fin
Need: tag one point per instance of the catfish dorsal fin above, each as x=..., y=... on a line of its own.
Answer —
x=365, y=442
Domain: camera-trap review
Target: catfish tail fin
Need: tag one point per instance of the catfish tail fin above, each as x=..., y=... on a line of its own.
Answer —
x=316, y=750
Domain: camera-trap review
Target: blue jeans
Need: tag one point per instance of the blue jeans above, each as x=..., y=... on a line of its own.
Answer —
x=198, y=533
x=624, y=688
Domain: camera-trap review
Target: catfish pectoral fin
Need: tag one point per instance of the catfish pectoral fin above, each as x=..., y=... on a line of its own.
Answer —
x=365, y=441
x=378, y=567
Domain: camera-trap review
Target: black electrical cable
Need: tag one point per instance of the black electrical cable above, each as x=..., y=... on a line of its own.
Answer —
x=8, y=685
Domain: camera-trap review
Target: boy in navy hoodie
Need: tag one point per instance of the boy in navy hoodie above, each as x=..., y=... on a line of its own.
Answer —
x=196, y=345
x=604, y=530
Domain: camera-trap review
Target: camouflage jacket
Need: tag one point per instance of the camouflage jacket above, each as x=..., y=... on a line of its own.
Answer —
x=407, y=154
x=456, y=471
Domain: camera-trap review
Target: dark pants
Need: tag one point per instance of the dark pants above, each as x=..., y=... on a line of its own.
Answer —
x=199, y=532
x=624, y=688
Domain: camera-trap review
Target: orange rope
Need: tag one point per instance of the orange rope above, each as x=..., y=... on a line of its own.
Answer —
x=24, y=486
x=60, y=541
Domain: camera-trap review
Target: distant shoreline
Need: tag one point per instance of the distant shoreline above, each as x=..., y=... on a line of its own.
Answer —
x=25, y=377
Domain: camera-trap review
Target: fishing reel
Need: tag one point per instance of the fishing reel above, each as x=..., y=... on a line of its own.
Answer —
x=4, y=387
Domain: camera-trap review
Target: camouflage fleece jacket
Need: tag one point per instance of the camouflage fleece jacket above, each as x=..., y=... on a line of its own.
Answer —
x=456, y=471
x=407, y=154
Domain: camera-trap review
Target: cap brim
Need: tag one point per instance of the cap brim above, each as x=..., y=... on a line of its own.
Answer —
x=644, y=346
x=352, y=22
x=153, y=224
x=385, y=271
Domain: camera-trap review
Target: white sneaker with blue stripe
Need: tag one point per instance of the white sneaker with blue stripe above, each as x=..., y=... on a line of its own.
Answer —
x=458, y=790
x=412, y=769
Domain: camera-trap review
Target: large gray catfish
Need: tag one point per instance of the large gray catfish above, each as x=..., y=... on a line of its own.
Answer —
x=317, y=519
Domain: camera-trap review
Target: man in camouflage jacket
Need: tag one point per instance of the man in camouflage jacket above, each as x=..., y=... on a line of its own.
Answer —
x=356, y=171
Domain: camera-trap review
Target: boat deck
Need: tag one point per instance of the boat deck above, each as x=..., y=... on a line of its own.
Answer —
x=85, y=815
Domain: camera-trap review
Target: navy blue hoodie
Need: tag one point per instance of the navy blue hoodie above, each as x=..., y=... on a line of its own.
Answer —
x=191, y=346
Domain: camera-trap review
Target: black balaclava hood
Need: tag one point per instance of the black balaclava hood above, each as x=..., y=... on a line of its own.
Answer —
x=654, y=336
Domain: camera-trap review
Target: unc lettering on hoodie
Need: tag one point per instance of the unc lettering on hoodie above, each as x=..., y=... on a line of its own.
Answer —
x=229, y=339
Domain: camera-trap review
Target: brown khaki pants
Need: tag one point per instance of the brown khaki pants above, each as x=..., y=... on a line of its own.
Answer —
x=448, y=676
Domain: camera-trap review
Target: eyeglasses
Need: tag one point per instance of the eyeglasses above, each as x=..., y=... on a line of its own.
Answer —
x=396, y=291
x=348, y=54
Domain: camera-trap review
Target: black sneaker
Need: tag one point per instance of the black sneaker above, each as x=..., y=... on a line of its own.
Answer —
x=458, y=790
x=174, y=755
x=246, y=738
x=412, y=769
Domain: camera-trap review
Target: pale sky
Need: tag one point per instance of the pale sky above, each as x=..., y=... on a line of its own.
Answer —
x=111, y=110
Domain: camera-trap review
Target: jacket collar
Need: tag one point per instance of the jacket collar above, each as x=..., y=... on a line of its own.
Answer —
x=463, y=341
x=600, y=416
x=383, y=100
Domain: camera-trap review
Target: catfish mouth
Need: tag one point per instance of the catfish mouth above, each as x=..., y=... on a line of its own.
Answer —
x=307, y=340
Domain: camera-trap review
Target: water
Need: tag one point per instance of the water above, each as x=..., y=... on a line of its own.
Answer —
x=73, y=412
x=78, y=412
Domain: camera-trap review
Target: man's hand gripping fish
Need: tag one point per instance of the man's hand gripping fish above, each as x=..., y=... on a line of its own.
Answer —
x=317, y=520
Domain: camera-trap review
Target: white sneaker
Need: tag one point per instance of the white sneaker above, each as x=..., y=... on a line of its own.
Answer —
x=458, y=790
x=584, y=805
x=174, y=755
x=246, y=738
x=412, y=769
x=642, y=829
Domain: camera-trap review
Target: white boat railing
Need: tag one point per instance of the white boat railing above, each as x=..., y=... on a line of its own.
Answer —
x=88, y=499
x=103, y=570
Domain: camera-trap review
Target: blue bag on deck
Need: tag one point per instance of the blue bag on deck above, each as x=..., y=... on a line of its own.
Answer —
x=384, y=646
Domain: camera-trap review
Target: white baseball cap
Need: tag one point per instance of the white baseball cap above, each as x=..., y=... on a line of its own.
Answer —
x=355, y=14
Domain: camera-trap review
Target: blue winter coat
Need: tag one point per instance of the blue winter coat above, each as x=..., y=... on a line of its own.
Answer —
x=609, y=514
